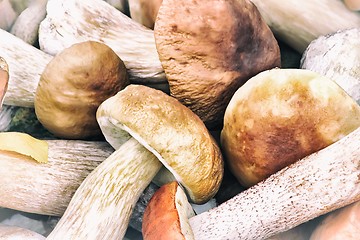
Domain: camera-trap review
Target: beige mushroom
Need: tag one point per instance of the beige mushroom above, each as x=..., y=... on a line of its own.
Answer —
x=280, y=116
x=353, y=5
x=73, y=85
x=4, y=79
x=297, y=23
x=18, y=233
x=336, y=56
x=147, y=127
x=206, y=54
x=144, y=11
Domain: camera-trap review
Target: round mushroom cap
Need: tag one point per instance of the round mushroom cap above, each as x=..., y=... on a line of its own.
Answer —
x=280, y=116
x=166, y=215
x=4, y=79
x=74, y=83
x=208, y=49
x=169, y=130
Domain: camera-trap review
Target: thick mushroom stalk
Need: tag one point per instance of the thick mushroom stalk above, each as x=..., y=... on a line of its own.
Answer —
x=68, y=22
x=299, y=22
x=148, y=128
x=317, y=184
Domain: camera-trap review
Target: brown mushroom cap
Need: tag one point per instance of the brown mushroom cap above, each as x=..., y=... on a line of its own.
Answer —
x=208, y=49
x=280, y=116
x=4, y=79
x=171, y=131
x=166, y=215
x=74, y=83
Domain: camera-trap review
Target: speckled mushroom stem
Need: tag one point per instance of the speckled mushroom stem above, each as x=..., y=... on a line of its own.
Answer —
x=102, y=205
x=71, y=21
x=47, y=188
x=299, y=22
x=321, y=182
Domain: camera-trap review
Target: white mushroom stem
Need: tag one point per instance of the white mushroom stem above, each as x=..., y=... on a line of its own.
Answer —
x=321, y=182
x=27, y=24
x=71, y=21
x=26, y=63
x=17, y=233
x=47, y=188
x=102, y=205
x=299, y=22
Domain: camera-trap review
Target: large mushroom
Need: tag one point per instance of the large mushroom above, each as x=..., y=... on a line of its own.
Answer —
x=208, y=52
x=73, y=85
x=148, y=128
x=280, y=116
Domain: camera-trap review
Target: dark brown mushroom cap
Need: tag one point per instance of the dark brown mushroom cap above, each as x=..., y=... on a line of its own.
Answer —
x=280, y=116
x=208, y=49
x=74, y=83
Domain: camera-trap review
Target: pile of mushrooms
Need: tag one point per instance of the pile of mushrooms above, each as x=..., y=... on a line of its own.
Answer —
x=184, y=95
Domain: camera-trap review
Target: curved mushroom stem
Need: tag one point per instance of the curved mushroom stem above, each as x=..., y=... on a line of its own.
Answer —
x=68, y=22
x=329, y=16
x=13, y=232
x=102, y=205
x=319, y=183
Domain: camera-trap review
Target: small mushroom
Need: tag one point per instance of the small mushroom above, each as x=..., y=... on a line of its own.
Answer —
x=297, y=23
x=353, y=5
x=336, y=56
x=147, y=127
x=144, y=11
x=73, y=85
x=280, y=116
x=209, y=52
x=166, y=215
x=18, y=233
x=341, y=224
x=4, y=79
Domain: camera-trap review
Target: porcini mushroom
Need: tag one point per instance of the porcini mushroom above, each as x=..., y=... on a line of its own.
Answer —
x=144, y=11
x=147, y=127
x=341, y=224
x=73, y=85
x=166, y=215
x=336, y=56
x=18, y=233
x=208, y=52
x=294, y=21
x=353, y=5
x=4, y=79
x=280, y=116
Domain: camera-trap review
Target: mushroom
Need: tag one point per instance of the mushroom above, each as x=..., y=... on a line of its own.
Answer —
x=280, y=116
x=4, y=79
x=297, y=23
x=18, y=233
x=27, y=23
x=144, y=11
x=336, y=56
x=8, y=15
x=68, y=22
x=150, y=126
x=343, y=223
x=208, y=52
x=353, y=5
x=73, y=85
x=166, y=215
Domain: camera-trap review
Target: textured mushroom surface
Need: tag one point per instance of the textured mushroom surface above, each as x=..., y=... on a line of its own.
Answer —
x=209, y=52
x=280, y=116
x=73, y=85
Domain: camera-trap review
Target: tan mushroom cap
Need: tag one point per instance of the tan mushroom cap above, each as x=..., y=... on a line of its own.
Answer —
x=170, y=131
x=144, y=11
x=4, y=79
x=74, y=83
x=353, y=5
x=280, y=116
x=208, y=49
x=166, y=215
